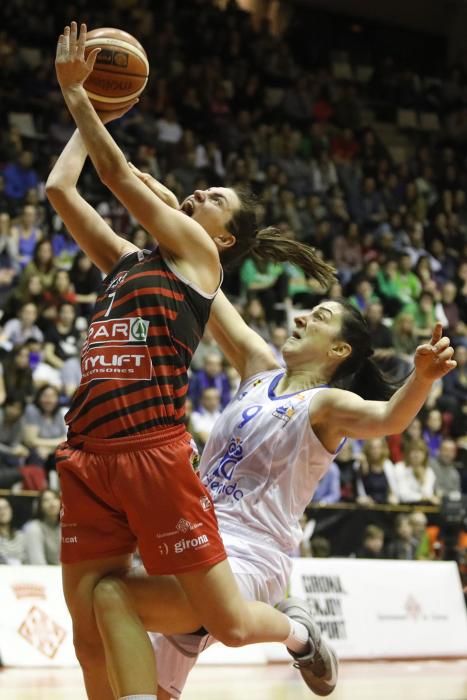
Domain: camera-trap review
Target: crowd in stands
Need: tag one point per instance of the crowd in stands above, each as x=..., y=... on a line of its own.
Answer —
x=231, y=105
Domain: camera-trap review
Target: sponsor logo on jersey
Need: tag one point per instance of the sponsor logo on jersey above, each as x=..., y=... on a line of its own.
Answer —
x=284, y=413
x=121, y=330
x=220, y=481
x=194, y=543
x=242, y=394
x=116, y=282
x=123, y=362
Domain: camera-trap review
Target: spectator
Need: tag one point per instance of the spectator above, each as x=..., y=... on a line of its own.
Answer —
x=207, y=346
x=455, y=388
x=86, y=280
x=264, y=281
x=31, y=292
x=17, y=331
x=372, y=546
x=60, y=292
x=42, y=534
x=414, y=478
x=62, y=338
x=44, y=426
x=445, y=467
x=17, y=374
x=426, y=313
x=13, y=452
x=433, y=431
x=381, y=336
x=211, y=376
x=255, y=316
x=42, y=264
x=209, y=411
x=418, y=522
x=377, y=480
x=20, y=176
x=347, y=253
x=320, y=548
x=450, y=307
x=328, y=489
x=364, y=295
x=26, y=234
x=403, y=545
x=12, y=541
x=349, y=466
x=405, y=338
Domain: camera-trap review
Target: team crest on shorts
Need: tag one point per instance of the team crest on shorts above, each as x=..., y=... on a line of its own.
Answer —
x=205, y=503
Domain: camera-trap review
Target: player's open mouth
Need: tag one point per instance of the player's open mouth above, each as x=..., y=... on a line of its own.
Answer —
x=188, y=207
x=296, y=335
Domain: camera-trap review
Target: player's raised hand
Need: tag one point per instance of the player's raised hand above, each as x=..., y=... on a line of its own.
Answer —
x=71, y=66
x=157, y=187
x=434, y=359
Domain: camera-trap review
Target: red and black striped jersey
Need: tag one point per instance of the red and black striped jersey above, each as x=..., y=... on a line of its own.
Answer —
x=147, y=322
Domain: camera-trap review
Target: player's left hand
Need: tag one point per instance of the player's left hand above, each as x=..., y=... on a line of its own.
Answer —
x=70, y=64
x=434, y=359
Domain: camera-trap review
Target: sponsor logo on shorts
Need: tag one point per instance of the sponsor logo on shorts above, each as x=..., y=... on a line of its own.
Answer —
x=185, y=525
x=122, y=362
x=194, y=543
x=182, y=526
x=70, y=540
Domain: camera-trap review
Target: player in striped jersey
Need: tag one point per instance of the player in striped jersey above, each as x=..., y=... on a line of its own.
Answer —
x=125, y=471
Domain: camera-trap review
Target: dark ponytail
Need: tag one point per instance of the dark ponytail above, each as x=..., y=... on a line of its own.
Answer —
x=360, y=373
x=270, y=245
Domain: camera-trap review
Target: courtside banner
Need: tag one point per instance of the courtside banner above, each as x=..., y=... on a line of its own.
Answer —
x=367, y=609
x=385, y=608
x=35, y=627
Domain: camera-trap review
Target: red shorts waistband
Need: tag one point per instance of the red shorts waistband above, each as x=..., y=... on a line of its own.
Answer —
x=132, y=443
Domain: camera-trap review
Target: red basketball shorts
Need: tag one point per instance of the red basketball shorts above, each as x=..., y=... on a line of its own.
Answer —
x=119, y=494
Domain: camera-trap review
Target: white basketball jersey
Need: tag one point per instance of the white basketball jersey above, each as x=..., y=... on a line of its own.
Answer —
x=263, y=461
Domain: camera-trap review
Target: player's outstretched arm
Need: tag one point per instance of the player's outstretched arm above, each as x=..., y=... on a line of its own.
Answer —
x=242, y=346
x=84, y=224
x=181, y=236
x=344, y=414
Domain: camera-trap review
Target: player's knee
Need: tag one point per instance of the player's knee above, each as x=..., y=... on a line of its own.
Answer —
x=108, y=595
x=232, y=636
x=89, y=653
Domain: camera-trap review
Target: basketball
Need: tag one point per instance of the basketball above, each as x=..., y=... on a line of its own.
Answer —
x=121, y=69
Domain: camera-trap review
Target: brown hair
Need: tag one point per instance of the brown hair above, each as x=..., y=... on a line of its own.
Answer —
x=269, y=244
x=416, y=445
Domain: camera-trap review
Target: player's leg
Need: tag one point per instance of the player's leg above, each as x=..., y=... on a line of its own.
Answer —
x=177, y=654
x=126, y=607
x=175, y=658
x=79, y=581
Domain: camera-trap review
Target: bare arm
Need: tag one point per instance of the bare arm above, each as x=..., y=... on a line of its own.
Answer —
x=243, y=347
x=85, y=225
x=336, y=413
x=180, y=235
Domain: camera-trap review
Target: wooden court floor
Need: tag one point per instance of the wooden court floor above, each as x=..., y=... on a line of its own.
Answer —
x=427, y=680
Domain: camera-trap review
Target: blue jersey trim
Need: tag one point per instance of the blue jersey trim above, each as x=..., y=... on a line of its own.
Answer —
x=275, y=381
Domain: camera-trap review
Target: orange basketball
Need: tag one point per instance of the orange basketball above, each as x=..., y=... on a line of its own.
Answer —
x=121, y=69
